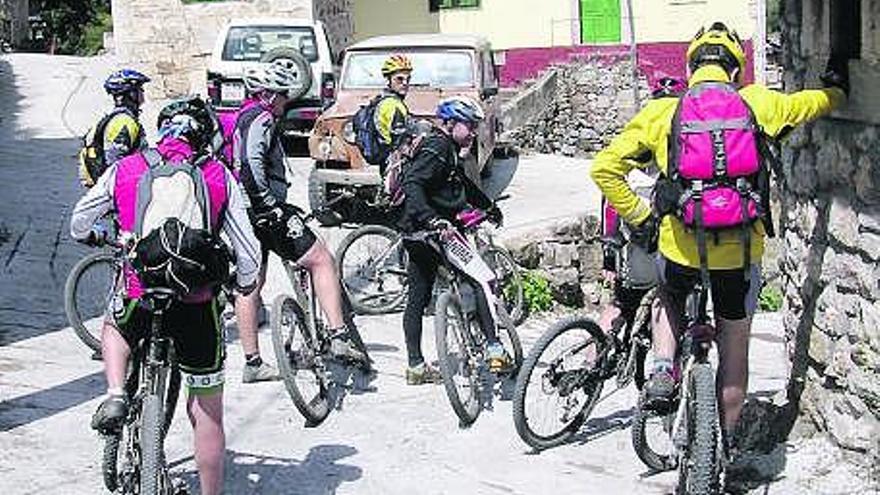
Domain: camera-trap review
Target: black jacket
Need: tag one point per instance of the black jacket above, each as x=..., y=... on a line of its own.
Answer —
x=435, y=184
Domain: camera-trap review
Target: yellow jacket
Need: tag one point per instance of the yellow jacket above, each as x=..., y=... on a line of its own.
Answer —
x=390, y=118
x=649, y=131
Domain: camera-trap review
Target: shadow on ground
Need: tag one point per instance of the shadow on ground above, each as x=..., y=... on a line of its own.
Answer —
x=320, y=473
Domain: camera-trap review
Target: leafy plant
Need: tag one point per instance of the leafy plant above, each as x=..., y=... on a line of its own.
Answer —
x=536, y=292
x=770, y=298
x=93, y=36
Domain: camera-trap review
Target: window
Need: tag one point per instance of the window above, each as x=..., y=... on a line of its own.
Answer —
x=251, y=42
x=434, y=69
x=458, y=4
x=846, y=28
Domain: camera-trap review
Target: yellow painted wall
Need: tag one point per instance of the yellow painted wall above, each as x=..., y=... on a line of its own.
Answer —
x=679, y=20
x=378, y=17
x=515, y=23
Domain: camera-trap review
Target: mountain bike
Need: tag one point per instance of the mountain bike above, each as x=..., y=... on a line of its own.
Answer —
x=301, y=342
x=372, y=263
x=461, y=343
x=89, y=290
x=152, y=388
x=563, y=376
x=691, y=422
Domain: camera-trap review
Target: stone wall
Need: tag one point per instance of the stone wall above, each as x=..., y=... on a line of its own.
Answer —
x=593, y=101
x=14, y=26
x=172, y=41
x=830, y=194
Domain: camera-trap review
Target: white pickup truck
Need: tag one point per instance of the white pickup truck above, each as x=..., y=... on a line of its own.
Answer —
x=245, y=42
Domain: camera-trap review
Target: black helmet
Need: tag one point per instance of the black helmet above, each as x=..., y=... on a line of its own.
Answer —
x=190, y=118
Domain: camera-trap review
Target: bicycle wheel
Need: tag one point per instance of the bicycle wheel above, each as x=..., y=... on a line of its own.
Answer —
x=151, y=466
x=109, y=460
x=699, y=471
x=633, y=366
x=558, y=384
x=87, y=294
x=371, y=261
x=651, y=435
x=509, y=282
x=510, y=340
x=171, y=395
x=458, y=361
x=299, y=361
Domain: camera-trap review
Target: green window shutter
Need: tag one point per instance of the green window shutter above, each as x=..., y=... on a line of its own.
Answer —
x=600, y=21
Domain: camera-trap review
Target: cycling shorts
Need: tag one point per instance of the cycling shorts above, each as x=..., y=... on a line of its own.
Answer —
x=197, y=333
x=290, y=238
x=733, y=298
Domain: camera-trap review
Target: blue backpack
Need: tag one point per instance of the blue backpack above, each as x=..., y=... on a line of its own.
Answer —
x=367, y=138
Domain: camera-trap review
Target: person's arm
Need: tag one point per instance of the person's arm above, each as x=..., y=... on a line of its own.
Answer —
x=238, y=229
x=256, y=152
x=97, y=202
x=419, y=175
x=777, y=112
x=620, y=157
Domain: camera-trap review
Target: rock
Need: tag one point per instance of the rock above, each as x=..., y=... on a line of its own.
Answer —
x=850, y=422
x=565, y=286
x=843, y=223
x=525, y=252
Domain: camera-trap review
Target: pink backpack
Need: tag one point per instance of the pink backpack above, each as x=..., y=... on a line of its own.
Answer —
x=715, y=163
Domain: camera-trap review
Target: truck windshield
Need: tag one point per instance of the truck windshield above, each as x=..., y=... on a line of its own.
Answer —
x=435, y=68
x=249, y=43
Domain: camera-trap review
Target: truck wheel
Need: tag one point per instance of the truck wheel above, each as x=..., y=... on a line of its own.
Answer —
x=318, y=200
x=293, y=59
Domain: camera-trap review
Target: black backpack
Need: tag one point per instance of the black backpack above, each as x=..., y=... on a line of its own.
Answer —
x=367, y=136
x=91, y=156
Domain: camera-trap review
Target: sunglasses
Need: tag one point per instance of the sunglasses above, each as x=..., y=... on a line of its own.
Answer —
x=401, y=79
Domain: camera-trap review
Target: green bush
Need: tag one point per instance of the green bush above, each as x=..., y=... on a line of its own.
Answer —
x=536, y=292
x=770, y=298
x=93, y=36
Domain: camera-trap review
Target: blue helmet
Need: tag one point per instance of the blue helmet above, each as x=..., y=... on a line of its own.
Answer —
x=461, y=109
x=124, y=80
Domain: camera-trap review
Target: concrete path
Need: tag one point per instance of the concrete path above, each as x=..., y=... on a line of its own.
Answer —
x=387, y=439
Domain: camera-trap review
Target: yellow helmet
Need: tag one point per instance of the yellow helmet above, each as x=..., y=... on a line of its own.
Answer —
x=716, y=45
x=396, y=63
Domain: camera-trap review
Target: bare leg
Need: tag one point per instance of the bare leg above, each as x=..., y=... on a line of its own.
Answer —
x=664, y=323
x=733, y=367
x=206, y=417
x=319, y=262
x=115, y=352
x=247, y=310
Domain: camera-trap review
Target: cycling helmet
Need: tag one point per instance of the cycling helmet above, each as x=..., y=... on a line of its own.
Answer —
x=460, y=109
x=279, y=76
x=190, y=118
x=124, y=80
x=396, y=63
x=717, y=45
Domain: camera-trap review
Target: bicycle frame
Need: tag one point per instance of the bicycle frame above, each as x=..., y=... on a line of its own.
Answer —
x=304, y=293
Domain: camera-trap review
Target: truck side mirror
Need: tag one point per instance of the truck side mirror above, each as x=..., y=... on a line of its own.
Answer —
x=489, y=92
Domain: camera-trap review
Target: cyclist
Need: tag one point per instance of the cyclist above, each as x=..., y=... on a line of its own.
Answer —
x=436, y=191
x=184, y=128
x=390, y=117
x=259, y=157
x=714, y=56
x=122, y=133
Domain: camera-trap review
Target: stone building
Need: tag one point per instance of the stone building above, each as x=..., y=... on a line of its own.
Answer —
x=172, y=40
x=830, y=224
x=14, y=21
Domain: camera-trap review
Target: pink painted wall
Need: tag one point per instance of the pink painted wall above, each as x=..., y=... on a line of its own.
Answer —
x=656, y=60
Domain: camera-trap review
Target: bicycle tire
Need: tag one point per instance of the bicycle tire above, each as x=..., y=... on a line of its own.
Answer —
x=512, y=344
x=73, y=306
x=526, y=431
x=510, y=287
x=362, y=302
x=645, y=450
x=700, y=470
x=151, y=445
x=171, y=395
x=288, y=322
x=109, y=461
x=449, y=314
x=632, y=367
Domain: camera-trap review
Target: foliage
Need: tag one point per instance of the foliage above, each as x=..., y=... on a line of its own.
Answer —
x=68, y=21
x=93, y=37
x=770, y=298
x=536, y=292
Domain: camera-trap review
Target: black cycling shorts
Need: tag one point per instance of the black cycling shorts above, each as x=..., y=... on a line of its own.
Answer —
x=197, y=333
x=732, y=297
x=290, y=238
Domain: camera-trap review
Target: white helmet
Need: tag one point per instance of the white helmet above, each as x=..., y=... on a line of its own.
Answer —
x=280, y=76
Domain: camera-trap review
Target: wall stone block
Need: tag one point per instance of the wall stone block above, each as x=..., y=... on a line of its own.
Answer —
x=843, y=222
